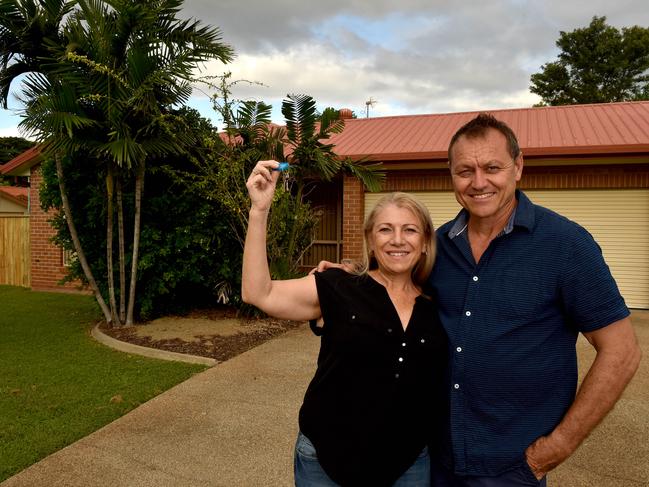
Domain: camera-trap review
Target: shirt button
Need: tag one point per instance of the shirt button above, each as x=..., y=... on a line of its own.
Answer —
x=403, y=344
x=396, y=376
x=468, y=313
x=475, y=278
x=423, y=341
x=459, y=349
x=400, y=359
x=389, y=330
x=456, y=386
x=353, y=317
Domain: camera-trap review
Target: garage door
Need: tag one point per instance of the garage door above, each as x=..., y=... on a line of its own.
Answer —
x=618, y=219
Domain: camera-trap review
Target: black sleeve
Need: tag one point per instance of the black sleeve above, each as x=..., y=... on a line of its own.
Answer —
x=328, y=287
x=317, y=330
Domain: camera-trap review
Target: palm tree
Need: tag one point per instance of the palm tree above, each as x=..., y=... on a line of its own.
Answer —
x=311, y=156
x=108, y=90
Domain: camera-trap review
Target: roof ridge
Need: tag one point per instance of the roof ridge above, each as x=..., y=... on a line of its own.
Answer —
x=502, y=110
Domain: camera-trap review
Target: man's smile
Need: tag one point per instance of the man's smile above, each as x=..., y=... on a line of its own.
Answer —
x=482, y=196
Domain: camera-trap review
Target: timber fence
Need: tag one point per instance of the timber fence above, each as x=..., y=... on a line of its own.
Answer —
x=14, y=251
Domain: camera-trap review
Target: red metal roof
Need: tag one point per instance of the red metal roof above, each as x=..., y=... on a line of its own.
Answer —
x=571, y=130
x=605, y=128
x=16, y=194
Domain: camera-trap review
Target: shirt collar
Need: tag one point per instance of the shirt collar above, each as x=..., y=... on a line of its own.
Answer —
x=523, y=216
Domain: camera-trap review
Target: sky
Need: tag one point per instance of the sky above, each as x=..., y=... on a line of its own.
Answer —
x=408, y=57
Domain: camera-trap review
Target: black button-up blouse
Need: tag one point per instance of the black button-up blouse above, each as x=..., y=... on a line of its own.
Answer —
x=378, y=395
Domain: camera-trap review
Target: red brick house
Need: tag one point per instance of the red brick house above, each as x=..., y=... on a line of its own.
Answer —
x=47, y=261
x=588, y=162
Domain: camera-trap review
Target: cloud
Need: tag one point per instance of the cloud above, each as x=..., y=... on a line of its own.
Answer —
x=413, y=56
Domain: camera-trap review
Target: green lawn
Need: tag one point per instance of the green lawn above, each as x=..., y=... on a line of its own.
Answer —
x=56, y=383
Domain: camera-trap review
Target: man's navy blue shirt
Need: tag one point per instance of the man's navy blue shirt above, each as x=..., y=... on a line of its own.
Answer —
x=512, y=320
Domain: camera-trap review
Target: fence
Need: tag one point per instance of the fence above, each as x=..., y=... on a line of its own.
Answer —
x=14, y=251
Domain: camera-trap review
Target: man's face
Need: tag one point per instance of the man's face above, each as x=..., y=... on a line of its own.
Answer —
x=484, y=177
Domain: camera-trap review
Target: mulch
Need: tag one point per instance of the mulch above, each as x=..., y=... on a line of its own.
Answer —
x=221, y=348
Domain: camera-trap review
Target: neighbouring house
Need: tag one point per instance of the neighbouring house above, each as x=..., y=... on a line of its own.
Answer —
x=588, y=162
x=47, y=261
x=14, y=201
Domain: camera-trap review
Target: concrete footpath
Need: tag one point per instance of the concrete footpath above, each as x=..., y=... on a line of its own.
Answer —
x=235, y=425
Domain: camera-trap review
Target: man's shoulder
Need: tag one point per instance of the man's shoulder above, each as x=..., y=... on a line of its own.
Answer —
x=537, y=218
x=547, y=220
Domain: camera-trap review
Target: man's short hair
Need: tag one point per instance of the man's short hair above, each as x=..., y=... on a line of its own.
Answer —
x=479, y=126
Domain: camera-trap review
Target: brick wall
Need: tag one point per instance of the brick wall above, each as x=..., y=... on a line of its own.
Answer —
x=353, y=210
x=534, y=177
x=46, y=258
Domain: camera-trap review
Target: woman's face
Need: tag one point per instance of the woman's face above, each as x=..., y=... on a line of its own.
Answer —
x=397, y=240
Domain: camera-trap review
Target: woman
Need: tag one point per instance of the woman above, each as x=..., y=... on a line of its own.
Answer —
x=368, y=413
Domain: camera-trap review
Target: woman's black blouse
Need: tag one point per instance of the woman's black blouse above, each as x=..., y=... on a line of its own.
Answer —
x=377, y=395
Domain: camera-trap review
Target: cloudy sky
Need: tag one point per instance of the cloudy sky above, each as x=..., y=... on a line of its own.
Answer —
x=411, y=56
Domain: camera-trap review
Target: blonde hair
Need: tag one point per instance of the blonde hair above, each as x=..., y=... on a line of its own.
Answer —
x=422, y=269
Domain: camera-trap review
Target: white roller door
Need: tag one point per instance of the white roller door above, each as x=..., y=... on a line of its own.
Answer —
x=618, y=219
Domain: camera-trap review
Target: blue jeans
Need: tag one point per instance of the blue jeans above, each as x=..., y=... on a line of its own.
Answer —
x=519, y=477
x=309, y=473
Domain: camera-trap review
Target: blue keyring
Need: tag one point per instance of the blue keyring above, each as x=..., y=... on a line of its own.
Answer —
x=283, y=166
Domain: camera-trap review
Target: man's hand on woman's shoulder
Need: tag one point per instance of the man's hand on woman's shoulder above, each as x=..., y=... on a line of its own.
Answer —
x=323, y=265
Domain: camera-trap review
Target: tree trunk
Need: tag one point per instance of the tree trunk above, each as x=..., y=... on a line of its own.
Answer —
x=139, y=188
x=77, y=244
x=122, y=259
x=110, y=183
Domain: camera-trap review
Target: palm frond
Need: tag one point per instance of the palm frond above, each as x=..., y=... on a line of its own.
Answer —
x=27, y=29
x=52, y=108
x=124, y=151
x=369, y=174
x=330, y=123
x=301, y=116
x=253, y=113
x=7, y=75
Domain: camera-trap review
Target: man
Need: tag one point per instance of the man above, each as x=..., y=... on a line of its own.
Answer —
x=515, y=284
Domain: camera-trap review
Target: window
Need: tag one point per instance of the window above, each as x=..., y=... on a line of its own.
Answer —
x=69, y=257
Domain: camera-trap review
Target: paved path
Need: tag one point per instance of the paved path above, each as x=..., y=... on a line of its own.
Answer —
x=235, y=424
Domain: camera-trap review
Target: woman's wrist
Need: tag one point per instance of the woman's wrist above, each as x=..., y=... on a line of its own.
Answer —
x=254, y=211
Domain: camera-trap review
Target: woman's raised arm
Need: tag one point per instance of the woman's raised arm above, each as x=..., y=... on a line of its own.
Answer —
x=293, y=299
